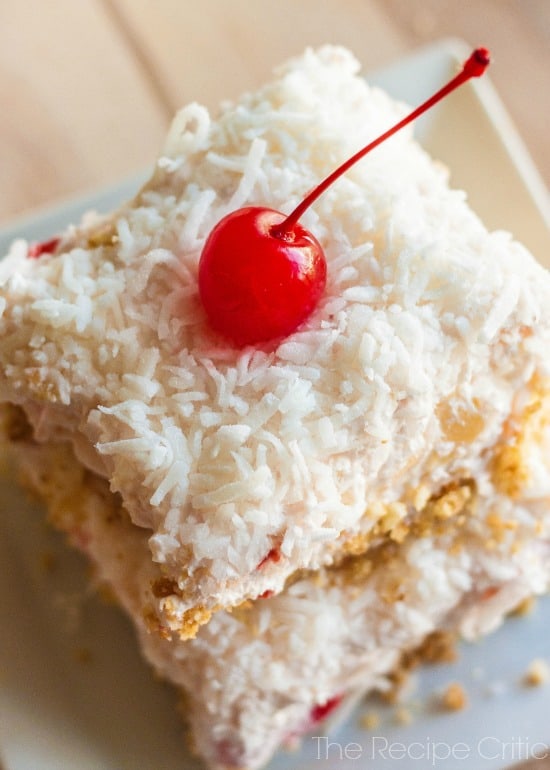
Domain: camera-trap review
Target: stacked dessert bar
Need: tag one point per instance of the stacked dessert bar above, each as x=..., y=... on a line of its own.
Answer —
x=282, y=521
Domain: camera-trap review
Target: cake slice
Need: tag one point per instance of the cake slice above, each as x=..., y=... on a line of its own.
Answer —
x=270, y=670
x=243, y=466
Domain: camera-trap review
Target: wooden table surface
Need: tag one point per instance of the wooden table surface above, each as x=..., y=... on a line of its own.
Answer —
x=87, y=87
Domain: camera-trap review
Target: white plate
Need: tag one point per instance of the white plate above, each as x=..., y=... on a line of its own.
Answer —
x=59, y=711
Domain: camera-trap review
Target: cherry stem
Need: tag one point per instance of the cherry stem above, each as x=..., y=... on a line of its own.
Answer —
x=474, y=67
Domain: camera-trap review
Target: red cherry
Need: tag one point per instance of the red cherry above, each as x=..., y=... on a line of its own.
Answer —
x=255, y=283
x=274, y=555
x=261, y=274
x=322, y=710
x=45, y=247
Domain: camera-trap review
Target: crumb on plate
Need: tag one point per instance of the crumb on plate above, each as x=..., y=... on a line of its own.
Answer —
x=454, y=697
x=538, y=673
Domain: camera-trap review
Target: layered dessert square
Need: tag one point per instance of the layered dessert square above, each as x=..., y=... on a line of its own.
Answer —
x=265, y=673
x=319, y=501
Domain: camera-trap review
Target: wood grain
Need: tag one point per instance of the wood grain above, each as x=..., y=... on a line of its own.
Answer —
x=215, y=49
x=87, y=87
x=518, y=34
x=76, y=112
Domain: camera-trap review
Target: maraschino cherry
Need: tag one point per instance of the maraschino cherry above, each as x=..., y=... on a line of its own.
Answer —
x=44, y=247
x=261, y=274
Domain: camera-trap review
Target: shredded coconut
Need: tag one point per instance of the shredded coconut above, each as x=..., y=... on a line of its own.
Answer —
x=223, y=454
